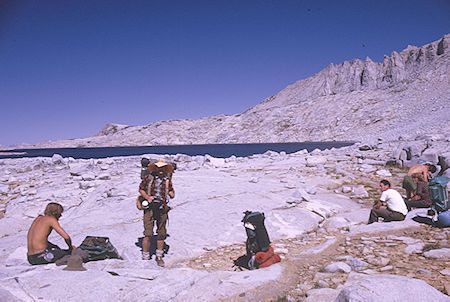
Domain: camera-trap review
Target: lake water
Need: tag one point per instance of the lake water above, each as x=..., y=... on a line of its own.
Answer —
x=215, y=150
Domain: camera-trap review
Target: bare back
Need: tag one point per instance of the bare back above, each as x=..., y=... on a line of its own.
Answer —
x=422, y=169
x=39, y=231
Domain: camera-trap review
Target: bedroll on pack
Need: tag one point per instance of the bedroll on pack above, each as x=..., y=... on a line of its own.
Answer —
x=265, y=259
x=439, y=195
x=99, y=248
x=257, y=237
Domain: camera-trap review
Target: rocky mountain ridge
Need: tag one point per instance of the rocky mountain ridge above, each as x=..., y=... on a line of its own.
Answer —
x=406, y=95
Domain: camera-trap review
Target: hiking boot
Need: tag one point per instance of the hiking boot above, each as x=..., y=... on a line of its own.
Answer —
x=159, y=261
x=145, y=256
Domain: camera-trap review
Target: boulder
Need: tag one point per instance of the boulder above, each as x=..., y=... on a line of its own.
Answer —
x=383, y=287
x=57, y=159
x=430, y=155
x=358, y=265
x=88, y=176
x=359, y=192
x=443, y=253
x=316, y=160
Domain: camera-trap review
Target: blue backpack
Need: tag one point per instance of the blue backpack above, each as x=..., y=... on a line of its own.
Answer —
x=438, y=193
x=443, y=220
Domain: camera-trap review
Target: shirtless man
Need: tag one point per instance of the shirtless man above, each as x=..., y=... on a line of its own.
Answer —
x=40, y=250
x=408, y=183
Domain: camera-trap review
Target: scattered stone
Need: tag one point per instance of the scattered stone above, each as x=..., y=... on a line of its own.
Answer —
x=346, y=189
x=438, y=254
x=338, y=267
x=254, y=180
x=445, y=272
x=378, y=261
x=386, y=268
x=384, y=173
x=414, y=248
x=358, y=265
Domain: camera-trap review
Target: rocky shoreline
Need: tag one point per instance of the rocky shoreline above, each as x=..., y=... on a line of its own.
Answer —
x=316, y=207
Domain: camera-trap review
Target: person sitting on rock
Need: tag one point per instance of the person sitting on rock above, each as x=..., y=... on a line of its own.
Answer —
x=408, y=183
x=421, y=198
x=40, y=250
x=391, y=205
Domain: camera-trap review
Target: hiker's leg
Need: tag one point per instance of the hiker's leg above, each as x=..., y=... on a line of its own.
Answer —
x=409, y=186
x=416, y=204
x=59, y=253
x=393, y=216
x=161, y=230
x=162, y=234
x=148, y=230
x=376, y=213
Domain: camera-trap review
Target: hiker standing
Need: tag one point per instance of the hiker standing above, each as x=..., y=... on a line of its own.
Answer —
x=155, y=188
x=40, y=250
x=421, y=198
x=391, y=205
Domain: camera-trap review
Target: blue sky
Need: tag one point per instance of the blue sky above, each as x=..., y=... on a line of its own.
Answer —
x=67, y=68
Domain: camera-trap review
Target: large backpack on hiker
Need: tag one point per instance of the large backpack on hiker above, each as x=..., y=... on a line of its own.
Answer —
x=148, y=166
x=438, y=192
x=99, y=248
x=259, y=253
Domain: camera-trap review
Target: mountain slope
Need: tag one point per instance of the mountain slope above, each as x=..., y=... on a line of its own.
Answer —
x=406, y=95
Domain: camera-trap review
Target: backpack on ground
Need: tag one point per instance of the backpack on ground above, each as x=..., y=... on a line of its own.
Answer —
x=257, y=237
x=259, y=253
x=99, y=248
x=437, y=187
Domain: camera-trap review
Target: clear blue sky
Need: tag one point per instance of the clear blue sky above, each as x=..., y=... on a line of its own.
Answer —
x=67, y=68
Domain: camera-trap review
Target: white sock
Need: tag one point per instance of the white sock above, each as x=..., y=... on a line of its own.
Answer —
x=145, y=255
x=159, y=253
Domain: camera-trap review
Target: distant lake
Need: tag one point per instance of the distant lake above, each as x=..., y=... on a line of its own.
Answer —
x=215, y=150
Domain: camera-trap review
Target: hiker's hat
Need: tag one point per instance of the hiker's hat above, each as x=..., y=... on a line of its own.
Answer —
x=74, y=263
x=160, y=163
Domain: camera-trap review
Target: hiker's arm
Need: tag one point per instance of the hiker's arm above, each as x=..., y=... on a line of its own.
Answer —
x=146, y=196
x=60, y=231
x=171, y=190
x=378, y=204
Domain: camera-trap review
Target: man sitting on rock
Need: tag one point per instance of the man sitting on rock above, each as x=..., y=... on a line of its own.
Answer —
x=391, y=205
x=426, y=172
x=40, y=250
x=421, y=198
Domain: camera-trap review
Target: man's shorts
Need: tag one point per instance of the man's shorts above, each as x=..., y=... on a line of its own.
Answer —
x=408, y=183
x=49, y=255
x=149, y=222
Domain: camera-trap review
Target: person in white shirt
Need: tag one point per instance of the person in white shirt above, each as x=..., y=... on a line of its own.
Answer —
x=391, y=205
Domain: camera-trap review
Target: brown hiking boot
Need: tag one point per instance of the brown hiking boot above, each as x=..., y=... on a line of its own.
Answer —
x=159, y=261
